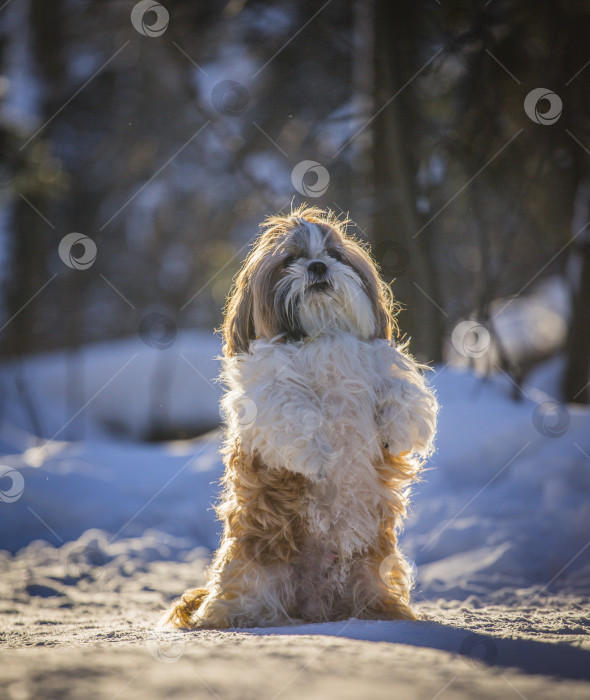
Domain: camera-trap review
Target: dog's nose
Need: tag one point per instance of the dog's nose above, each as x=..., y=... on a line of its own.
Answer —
x=317, y=267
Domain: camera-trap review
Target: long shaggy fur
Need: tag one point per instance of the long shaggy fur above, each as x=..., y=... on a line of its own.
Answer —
x=328, y=423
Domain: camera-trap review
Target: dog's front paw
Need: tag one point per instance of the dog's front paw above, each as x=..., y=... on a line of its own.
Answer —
x=321, y=474
x=406, y=422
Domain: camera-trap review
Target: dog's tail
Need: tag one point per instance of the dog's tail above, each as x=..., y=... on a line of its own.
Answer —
x=180, y=615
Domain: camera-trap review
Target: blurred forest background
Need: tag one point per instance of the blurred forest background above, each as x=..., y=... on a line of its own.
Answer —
x=167, y=150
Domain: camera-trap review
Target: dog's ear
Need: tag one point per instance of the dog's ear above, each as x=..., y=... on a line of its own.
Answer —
x=238, y=325
x=384, y=308
x=379, y=293
x=383, y=320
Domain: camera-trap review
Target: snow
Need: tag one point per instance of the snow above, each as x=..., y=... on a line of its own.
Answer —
x=507, y=503
x=530, y=326
x=498, y=532
x=118, y=380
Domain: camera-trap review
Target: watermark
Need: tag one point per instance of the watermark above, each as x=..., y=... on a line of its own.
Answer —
x=548, y=116
x=77, y=251
x=391, y=573
x=246, y=412
x=393, y=258
x=479, y=651
x=551, y=419
x=318, y=186
x=325, y=495
x=85, y=561
x=12, y=484
x=470, y=339
x=160, y=22
x=230, y=98
x=157, y=331
x=310, y=421
x=6, y=176
x=243, y=409
x=166, y=651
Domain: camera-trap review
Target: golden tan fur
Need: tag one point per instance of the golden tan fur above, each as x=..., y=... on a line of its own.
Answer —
x=261, y=515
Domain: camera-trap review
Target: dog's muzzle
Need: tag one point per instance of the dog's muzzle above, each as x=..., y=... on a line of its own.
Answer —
x=318, y=271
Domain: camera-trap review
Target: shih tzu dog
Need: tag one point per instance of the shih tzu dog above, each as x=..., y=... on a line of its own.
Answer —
x=328, y=424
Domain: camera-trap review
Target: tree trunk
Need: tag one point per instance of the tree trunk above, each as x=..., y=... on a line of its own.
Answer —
x=32, y=238
x=576, y=378
x=395, y=139
x=33, y=241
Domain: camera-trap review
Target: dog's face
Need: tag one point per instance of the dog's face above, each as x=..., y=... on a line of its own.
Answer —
x=304, y=277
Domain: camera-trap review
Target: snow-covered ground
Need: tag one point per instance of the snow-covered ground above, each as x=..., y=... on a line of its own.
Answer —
x=102, y=531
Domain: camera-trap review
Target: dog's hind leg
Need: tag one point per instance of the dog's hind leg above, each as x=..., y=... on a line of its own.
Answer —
x=382, y=594
x=246, y=594
x=180, y=615
x=241, y=592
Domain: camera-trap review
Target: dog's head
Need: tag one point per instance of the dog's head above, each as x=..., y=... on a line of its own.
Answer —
x=305, y=276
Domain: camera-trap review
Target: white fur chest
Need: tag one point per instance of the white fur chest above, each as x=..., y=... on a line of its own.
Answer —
x=312, y=408
x=340, y=375
x=341, y=507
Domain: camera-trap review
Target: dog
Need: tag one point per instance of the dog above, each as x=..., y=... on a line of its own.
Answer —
x=328, y=423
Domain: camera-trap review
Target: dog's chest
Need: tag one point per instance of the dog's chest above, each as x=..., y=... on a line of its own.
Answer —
x=341, y=376
x=343, y=506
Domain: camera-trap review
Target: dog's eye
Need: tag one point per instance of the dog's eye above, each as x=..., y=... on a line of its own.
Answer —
x=337, y=255
x=289, y=260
